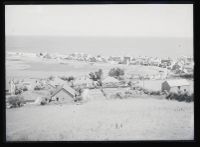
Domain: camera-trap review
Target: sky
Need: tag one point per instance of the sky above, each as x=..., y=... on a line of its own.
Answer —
x=100, y=27
x=160, y=20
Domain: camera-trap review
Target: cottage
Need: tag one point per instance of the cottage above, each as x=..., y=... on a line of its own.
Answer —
x=110, y=80
x=64, y=94
x=176, y=85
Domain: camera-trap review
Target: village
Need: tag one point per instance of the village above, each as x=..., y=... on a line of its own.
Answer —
x=65, y=89
x=100, y=98
x=99, y=72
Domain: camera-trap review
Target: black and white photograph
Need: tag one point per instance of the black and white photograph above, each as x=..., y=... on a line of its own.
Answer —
x=99, y=72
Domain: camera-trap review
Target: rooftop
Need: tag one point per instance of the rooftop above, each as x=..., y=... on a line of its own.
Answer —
x=177, y=82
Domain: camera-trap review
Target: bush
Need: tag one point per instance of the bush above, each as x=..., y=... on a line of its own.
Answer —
x=25, y=88
x=155, y=93
x=44, y=101
x=51, y=78
x=116, y=72
x=15, y=101
x=18, y=91
x=37, y=87
x=180, y=97
x=96, y=76
x=119, y=95
x=78, y=98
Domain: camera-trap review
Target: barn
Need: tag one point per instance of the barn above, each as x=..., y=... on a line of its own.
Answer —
x=63, y=94
x=176, y=85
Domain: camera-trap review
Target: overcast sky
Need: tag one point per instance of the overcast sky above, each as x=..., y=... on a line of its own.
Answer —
x=150, y=20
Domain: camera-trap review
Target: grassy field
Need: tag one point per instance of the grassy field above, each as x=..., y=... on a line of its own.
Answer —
x=128, y=119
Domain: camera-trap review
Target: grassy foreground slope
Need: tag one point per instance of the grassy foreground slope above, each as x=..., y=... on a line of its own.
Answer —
x=128, y=119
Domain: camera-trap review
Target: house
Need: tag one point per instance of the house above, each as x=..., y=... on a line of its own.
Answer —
x=126, y=60
x=29, y=83
x=175, y=85
x=63, y=93
x=56, y=82
x=109, y=80
x=83, y=81
x=166, y=62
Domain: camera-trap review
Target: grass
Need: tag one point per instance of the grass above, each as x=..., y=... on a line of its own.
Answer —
x=128, y=119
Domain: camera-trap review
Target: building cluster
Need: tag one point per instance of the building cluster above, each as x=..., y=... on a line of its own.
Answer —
x=55, y=89
x=182, y=64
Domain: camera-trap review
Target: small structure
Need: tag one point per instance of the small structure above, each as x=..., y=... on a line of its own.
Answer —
x=64, y=94
x=176, y=85
x=83, y=81
x=10, y=87
x=56, y=82
x=110, y=80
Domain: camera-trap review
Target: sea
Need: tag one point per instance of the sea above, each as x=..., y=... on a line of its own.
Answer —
x=105, y=46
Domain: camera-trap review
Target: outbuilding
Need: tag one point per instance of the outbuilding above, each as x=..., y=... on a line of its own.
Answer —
x=110, y=80
x=176, y=85
x=64, y=94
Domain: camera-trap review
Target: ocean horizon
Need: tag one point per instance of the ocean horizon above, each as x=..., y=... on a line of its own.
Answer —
x=106, y=46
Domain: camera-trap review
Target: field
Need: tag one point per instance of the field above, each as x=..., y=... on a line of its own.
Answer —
x=128, y=119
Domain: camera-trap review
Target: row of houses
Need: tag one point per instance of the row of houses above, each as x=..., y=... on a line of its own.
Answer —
x=63, y=92
x=182, y=64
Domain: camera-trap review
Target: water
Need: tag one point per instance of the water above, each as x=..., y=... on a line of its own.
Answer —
x=160, y=47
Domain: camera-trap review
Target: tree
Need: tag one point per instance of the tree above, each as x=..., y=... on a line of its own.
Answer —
x=70, y=78
x=15, y=101
x=116, y=72
x=96, y=76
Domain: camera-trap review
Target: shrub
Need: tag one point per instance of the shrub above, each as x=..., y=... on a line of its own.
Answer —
x=78, y=98
x=18, y=91
x=96, y=76
x=155, y=93
x=25, y=88
x=44, y=101
x=37, y=87
x=180, y=97
x=15, y=101
x=51, y=78
x=116, y=72
x=119, y=95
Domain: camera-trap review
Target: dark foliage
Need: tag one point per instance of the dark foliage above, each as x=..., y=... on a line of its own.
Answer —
x=116, y=72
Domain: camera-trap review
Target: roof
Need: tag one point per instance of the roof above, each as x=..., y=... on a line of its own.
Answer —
x=65, y=88
x=57, y=81
x=110, y=80
x=177, y=82
x=83, y=81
